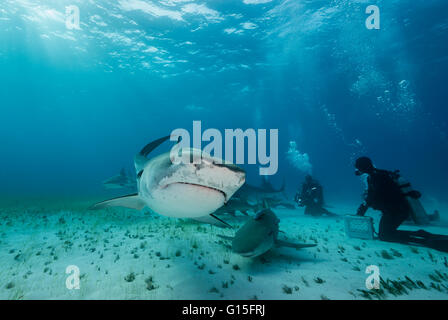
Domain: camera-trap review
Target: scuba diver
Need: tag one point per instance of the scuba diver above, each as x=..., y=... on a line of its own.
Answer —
x=385, y=194
x=312, y=198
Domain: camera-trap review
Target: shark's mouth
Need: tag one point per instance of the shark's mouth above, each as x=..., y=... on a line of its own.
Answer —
x=200, y=186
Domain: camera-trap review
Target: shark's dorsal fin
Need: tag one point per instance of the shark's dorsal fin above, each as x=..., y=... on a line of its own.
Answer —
x=152, y=145
x=141, y=159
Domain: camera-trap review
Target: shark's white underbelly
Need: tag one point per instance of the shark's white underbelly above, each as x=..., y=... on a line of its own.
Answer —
x=184, y=200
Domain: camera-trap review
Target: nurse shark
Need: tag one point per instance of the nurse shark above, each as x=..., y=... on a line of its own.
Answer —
x=259, y=235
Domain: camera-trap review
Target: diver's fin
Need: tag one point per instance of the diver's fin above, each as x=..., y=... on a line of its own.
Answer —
x=214, y=220
x=131, y=201
x=439, y=243
x=225, y=237
x=140, y=158
x=281, y=243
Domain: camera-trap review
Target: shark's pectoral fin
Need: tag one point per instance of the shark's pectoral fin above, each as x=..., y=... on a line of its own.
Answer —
x=214, y=220
x=281, y=243
x=131, y=201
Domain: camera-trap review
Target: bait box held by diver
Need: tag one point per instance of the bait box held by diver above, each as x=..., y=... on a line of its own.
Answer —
x=359, y=227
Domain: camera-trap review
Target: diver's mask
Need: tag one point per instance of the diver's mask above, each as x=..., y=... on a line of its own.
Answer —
x=358, y=173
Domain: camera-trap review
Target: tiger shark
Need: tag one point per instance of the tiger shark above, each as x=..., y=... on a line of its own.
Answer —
x=259, y=235
x=192, y=188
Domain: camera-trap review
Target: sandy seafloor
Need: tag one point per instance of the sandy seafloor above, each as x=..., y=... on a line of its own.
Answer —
x=125, y=254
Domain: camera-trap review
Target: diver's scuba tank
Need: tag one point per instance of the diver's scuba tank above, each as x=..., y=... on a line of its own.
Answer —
x=418, y=213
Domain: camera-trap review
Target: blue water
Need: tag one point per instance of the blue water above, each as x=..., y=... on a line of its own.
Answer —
x=78, y=104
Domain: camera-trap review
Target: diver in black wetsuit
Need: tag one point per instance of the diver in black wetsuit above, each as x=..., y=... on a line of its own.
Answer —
x=385, y=194
x=311, y=197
